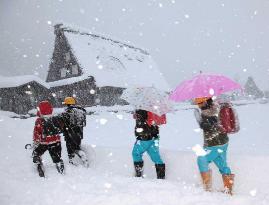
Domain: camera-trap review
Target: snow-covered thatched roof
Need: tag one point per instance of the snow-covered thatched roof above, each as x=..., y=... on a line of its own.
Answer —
x=15, y=81
x=114, y=63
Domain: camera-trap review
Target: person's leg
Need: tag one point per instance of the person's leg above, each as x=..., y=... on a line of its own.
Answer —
x=203, y=164
x=137, y=154
x=221, y=163
x=37, y=153
x=72, y=145
x=55, y=150
x=55, y=153
x=221, y=160
x=69, y=146
x=77, y=136
x=76, y=145
x=154, y=153
x=203, y=161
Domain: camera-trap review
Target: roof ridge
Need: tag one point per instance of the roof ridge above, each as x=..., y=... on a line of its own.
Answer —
x=69, y=29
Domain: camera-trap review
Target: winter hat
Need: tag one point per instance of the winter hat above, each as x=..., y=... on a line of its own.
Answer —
x=69, y=101
x=201, y=100
x=45, y=108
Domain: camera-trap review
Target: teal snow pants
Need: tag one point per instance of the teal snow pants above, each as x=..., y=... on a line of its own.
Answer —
x=216, y=154
x=149, y=146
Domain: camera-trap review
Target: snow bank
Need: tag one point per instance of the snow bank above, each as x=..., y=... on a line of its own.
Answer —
x=109, y=139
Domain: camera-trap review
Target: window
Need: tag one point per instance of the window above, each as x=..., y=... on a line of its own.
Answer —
x=67, y=57
x=74, y=69
x=59, y=94
x=32, y=100
x=63, y=72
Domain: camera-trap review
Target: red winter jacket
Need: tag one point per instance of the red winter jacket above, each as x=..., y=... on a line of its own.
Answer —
x=38, y=130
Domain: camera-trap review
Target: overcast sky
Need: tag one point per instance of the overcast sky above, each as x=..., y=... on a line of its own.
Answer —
x=183, y=36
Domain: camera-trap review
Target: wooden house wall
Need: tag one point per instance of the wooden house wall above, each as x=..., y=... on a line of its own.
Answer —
x=109, y=96
x=82, y=90
x=23, y=98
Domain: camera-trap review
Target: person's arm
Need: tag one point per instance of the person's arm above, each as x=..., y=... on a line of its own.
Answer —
x=37, y=135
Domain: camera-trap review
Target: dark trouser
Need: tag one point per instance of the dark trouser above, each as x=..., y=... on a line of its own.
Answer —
x=54, y=149
x=73, y=140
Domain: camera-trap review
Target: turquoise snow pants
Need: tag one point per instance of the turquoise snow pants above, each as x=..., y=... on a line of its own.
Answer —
x=216, y=154
x=149, y=146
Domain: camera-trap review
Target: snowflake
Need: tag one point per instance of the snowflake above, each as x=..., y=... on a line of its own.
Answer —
x=139, y=130
x=199, y=151
x=120, y=117
x=108, y=185
x=187, y=16
x=197, y=130
x=211, y=91
x=220, y=150
x=253, y=192
x=103, y=121
x=82, y=11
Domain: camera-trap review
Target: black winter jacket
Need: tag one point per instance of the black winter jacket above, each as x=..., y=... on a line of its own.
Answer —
x=143, y=131
x=209, y=123
x=70, y=130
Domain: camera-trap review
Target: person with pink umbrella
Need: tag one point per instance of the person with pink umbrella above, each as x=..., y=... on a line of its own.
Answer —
x=215, y=145
x=201, y=89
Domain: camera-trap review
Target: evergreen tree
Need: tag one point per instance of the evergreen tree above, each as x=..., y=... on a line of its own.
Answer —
x=252, y=90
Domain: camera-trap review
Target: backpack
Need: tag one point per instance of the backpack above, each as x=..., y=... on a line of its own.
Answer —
x=154, y=119
x=77, y=117
x=51, y=126
x=228, y=119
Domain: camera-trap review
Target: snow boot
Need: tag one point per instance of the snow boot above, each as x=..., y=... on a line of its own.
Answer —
x=160, y=170
x=40, y=170
x=71, y=161
x=138, y=166
x=39, y=166
x=82, y=155
x=228, y=181
x=60, y=167
x=207, y=180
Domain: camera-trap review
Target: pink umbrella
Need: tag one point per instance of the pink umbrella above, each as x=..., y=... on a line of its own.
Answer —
x=203, y=85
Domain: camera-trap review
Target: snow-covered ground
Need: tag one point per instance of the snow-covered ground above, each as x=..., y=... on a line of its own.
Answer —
x=108, y=140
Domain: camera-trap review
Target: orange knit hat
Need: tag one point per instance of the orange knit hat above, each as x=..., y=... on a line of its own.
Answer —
x=201, y=100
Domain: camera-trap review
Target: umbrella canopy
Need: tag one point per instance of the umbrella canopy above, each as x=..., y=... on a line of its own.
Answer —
x=148, y=98
x=203, y=85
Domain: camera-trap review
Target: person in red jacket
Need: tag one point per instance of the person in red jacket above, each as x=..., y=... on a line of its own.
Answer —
x=43, y=140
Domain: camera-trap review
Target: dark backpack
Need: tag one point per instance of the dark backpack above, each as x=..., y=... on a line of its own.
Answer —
x=51, y=126
x=228, y=119
x=77, y=117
